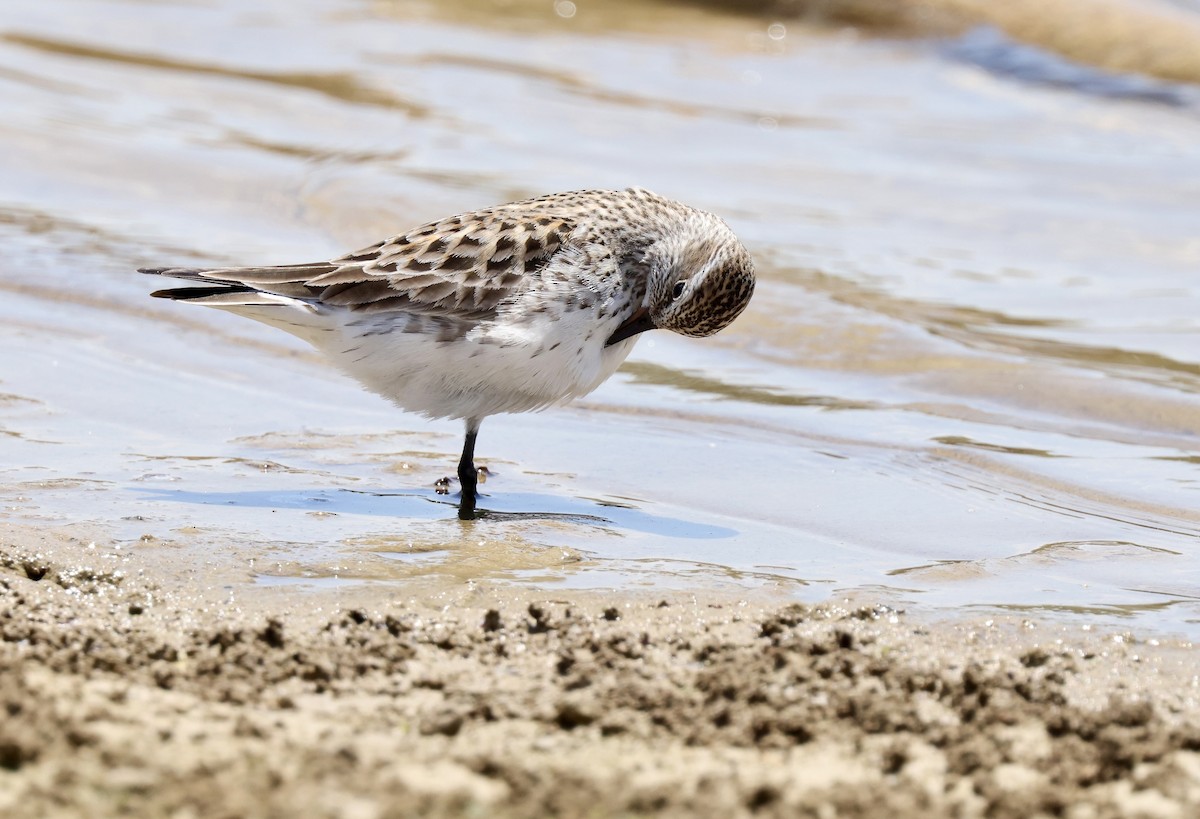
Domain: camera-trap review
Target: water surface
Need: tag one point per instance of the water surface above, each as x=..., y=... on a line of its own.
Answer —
x=969, y=376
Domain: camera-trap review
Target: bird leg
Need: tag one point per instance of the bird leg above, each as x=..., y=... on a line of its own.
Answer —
x=468, y=476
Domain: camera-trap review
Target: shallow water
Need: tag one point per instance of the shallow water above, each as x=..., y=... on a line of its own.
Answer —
x=969, y=377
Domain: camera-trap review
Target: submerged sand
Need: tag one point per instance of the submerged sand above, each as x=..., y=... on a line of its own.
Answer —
x=158, y=691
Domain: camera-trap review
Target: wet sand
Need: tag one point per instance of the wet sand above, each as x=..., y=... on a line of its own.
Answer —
x=967, y=390
x=163, y=688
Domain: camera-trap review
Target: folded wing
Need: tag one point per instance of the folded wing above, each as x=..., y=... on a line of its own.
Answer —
x=460, y=267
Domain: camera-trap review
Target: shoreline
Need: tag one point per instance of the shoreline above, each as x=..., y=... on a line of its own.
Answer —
x=147, y=692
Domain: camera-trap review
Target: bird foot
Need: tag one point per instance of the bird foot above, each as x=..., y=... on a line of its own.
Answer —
x=442, y=485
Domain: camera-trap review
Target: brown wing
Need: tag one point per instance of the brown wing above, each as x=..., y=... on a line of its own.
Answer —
x=462, y=266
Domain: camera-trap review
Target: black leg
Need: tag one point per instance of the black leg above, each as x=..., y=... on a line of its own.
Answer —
x=468, y=476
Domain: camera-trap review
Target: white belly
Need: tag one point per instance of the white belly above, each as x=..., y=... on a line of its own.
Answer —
x=493, y=369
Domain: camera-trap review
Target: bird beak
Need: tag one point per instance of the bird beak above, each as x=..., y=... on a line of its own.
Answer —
x=639, y=322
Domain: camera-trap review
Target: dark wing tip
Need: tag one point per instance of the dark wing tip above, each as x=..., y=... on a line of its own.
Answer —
x=190, y=293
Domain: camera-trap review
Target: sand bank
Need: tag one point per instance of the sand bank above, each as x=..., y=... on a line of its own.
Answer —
x=156, y=690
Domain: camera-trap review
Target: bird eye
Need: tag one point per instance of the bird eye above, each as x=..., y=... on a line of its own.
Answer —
x=678, y=289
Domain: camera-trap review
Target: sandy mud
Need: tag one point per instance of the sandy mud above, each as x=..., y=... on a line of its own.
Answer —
x=128, y=692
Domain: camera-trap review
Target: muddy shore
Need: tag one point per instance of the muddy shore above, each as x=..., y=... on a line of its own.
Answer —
x=147, y=691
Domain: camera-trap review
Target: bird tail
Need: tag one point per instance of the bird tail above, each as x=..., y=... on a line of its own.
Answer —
x=299, y=316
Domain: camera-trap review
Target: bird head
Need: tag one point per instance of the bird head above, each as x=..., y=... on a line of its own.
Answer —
x=699, y=279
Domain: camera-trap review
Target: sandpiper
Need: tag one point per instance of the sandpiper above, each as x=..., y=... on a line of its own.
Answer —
x=509, y=309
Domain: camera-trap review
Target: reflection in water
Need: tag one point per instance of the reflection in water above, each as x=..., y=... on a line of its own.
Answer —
x=1066, y=552
x=978, y=328
x=571, y=84
x=309, y=153
x=645, y=372
x=1125, y=611
x=1104, y=548
x=774, y=575
x=961, y=440
x=989, y=48
x=998, y=278
x=339, y=86
x=416, y=505
x=564, y=517
x=1183, y=459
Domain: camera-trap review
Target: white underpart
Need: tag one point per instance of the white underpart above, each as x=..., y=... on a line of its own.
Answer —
x=498, y=367
x=483, y=374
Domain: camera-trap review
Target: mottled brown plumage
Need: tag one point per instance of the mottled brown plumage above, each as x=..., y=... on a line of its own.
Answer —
x=506, y=309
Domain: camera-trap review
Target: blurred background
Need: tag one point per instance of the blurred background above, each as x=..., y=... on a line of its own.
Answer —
x=969, y=377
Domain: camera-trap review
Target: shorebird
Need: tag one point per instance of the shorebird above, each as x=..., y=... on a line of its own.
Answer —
x=508, y=309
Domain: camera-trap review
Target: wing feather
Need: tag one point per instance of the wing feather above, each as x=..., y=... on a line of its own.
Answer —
x=460, y=267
